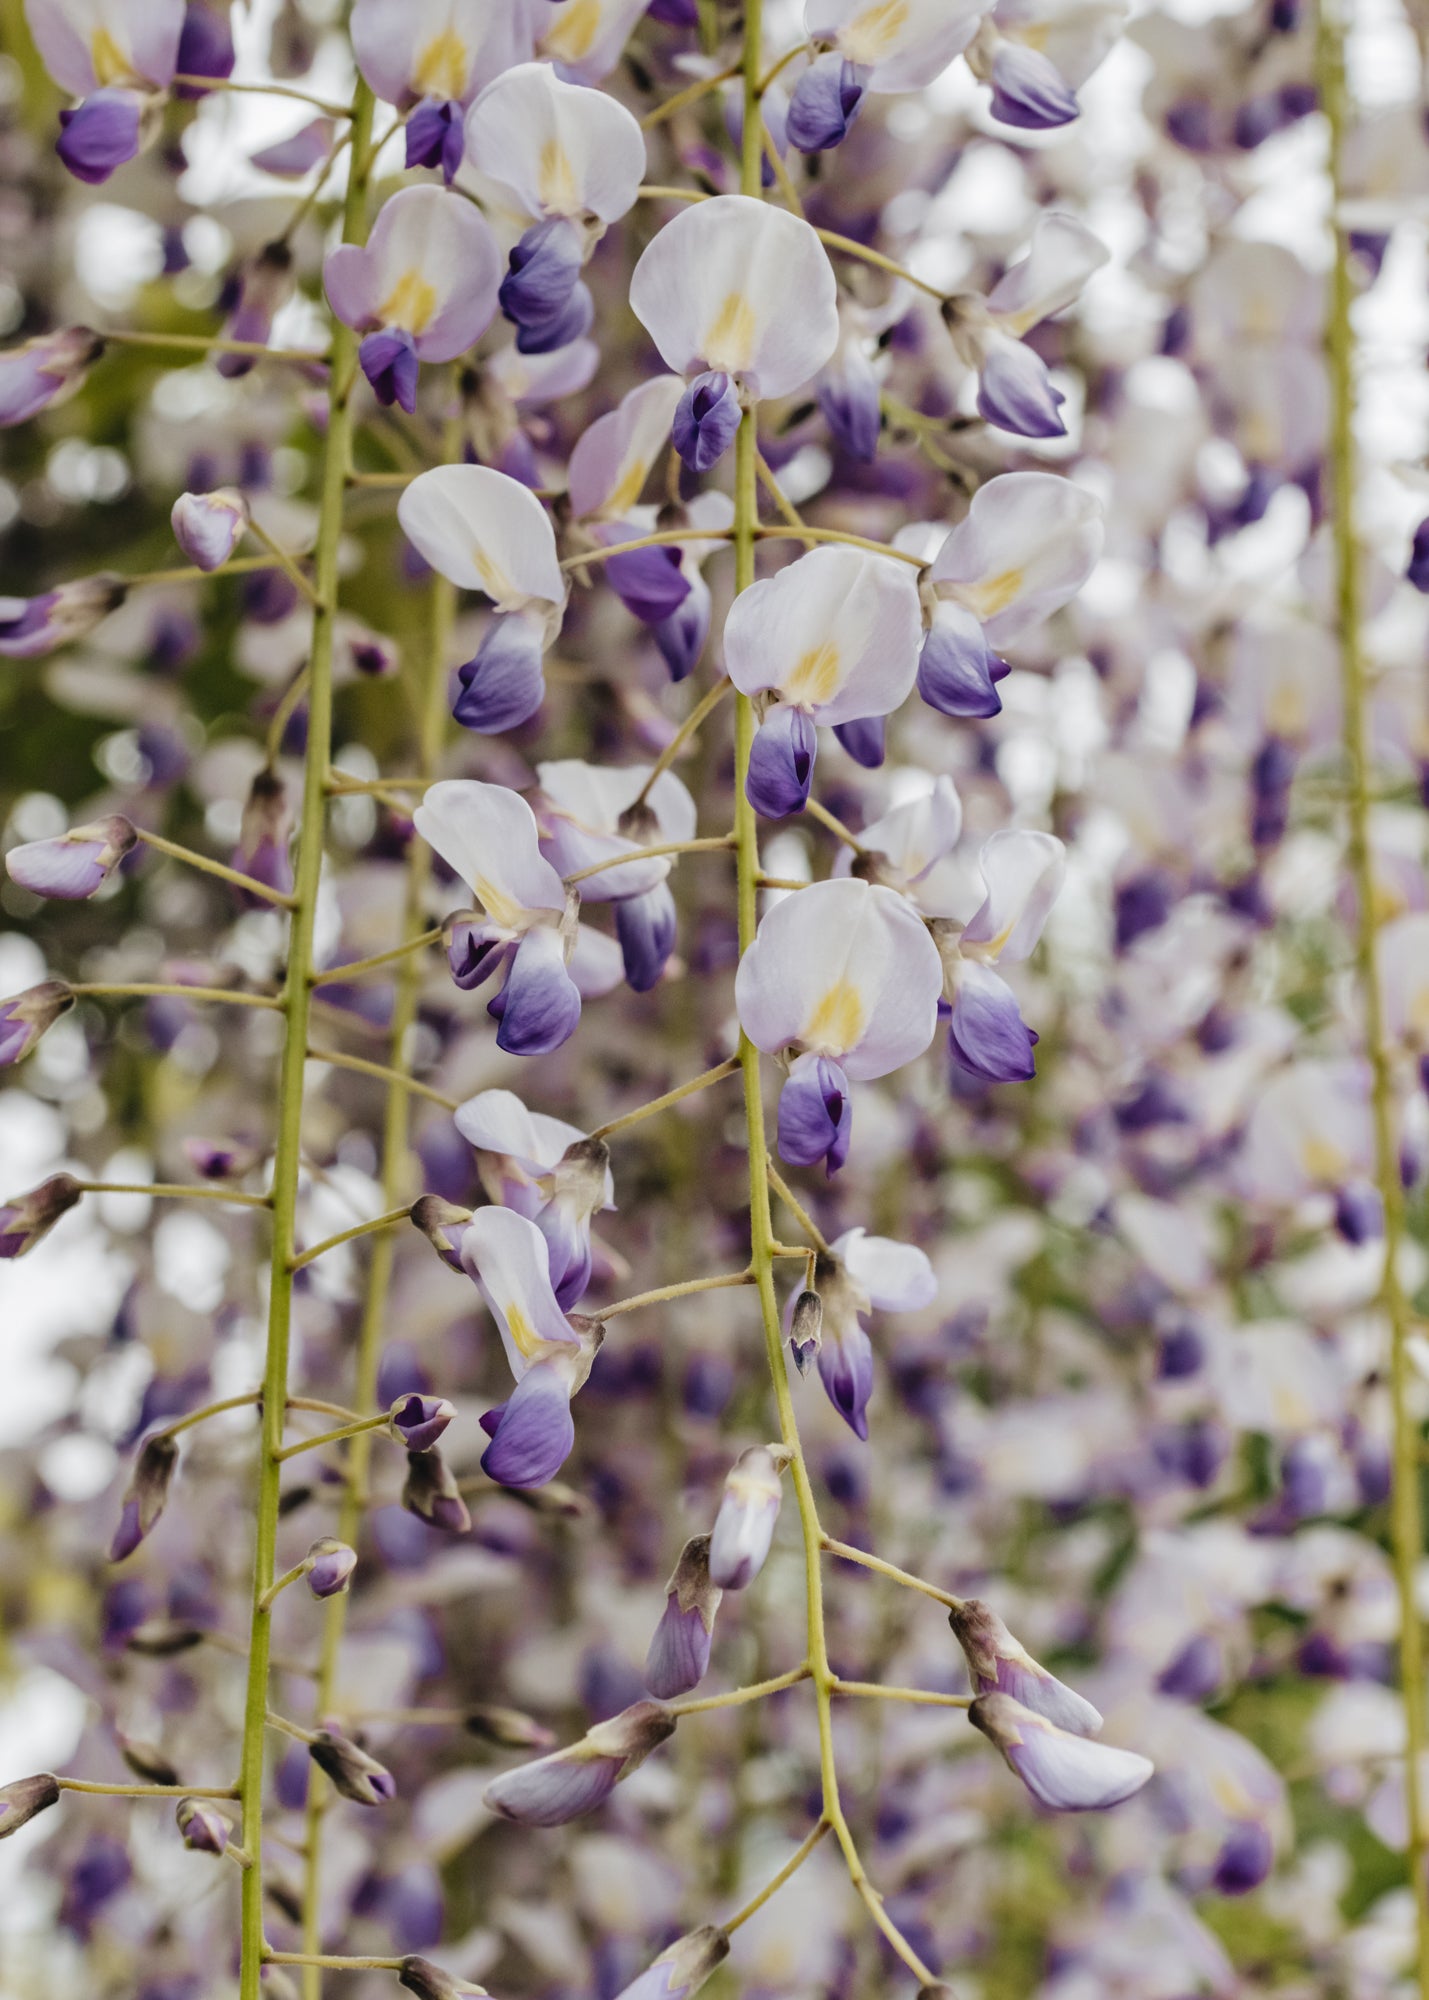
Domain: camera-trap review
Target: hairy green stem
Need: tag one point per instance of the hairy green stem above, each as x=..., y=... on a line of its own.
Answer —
x=288, y=1154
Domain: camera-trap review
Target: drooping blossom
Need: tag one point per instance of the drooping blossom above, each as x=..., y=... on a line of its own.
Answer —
x=429, y=59
x=857, y=1274
x=871, y=45
x=44, y=372
x=545, y=1170
x=30, y=627
x=748, y=1511
x=73, y=865
x=422, y=288
x=679, y=1654
x=488, y=836
x=1064, y=1772
x=842, y=980
x=26, y=1016
x=531, y=1434
x=209, y=526
x=116, y=57
x=569, y=1782
x=997, y=1662
x=1022, y=873
x=682, y=1968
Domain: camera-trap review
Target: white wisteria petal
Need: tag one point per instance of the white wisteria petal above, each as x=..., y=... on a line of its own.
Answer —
x=488, y=835
x=836, y=633
x=581, y=808
x=739, y=285
x=612, y=459
x=1064, y=1772
x=1403, y=950
x=845, y=969
x=904, y=43
x=1028, y=544
x=496, y=1121
x=430, y=268
x=915, y=836
x=561, y=149
x=506, y=1254
x=897, y=1277
x=446, y=49
x=586, y=38
x=484, y=531
x=1024, y=872
x=1061, y=257
x=597, y=965
x=89, y=45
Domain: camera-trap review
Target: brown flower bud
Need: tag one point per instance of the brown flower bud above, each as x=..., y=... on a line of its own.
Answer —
x=430, y=1492
x=145, y=1494
x=22, y=1799
x=356, y=1775
x=506, y=1727
x=148, y=1761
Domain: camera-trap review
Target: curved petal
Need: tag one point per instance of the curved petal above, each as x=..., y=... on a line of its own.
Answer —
x=596, y=964
x=915, y=836
x=535, y=1432
x=103, y=44
x=903, y=45
x=488, y=835
x=1024, y=872
x=612, y=459
x=837, y=633
x=485, y=532
x=585, y=37
x=539, y=1007
x=1061, y=257
x=1029, y=543
x=506, y=1255
x=430, y=268
x=436, y=48
x=496, y=1121
x=896, y=1276
x=560, y=149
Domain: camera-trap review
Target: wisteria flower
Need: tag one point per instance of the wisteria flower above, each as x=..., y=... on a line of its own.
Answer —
x=861, y=1273
x=998, y=1663
x=46, y=371
x=1022, y=873
x=422, y=288
x=30, y=627
x=73, y=865
x=679, y=1654
x=430, y=58
x=585, y=38
x=1014, y=389
x=115, y=56
x=552, y=1790
x=1064, y=1772
x=871, y=46
x=748, y=1512
x=532, y=1434
x=546, y=1170
x=842, y=980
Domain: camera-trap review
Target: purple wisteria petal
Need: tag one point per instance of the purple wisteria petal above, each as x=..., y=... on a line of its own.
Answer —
x=540, y=1005
x=101, y=134
x=506, y=1254
x=864, y=740
x=681, y=637
x=1016, y=393
x=646, y=927
x=845, y=1359
x=535, y=1433
x=26, y=1016
x=706, y=419
x=30, y=627
x=781, y=762
x=997, y=1663
x=73, y=865
x=650, y=583
x=436, y=136
x=613, y=457
x=209, y=526
x=957, y=670
x=389, y=361
x=45, y=371
x=1063, y=1772
x=1028, y=91
x=903, y=47
x=815, y=1122
x=503, y=684
x=986, y=1032
x=542, y=293
x=825, y=102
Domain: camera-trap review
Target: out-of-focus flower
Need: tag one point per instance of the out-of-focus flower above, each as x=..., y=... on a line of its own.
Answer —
x=26, y=1218
x=431, y=1493
x=584, y=38
x=682, y=1968
x=26, y=1016
x=209, y=526
x=997, y=1662
x=1063, y=1772
x=44, y=372
x=356, y=1775
x=265, y=835
x=116, y=56
x=205, y=1829
x=576, y=1780
x=328, y=1566
x=33, y=626
x=748, y=1510
x=679, y=1654
x=860, y=1273
x=260, y=289
x=430, y=1982
x=1022, y=872
x=1014, y=388
x=418, y=1421
x=146, y=1494
x=73, y=865
x=23, y=1798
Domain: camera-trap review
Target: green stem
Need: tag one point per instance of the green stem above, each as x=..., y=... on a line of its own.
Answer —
x=384, y=1073
x=708, y=844
x=736, y=1698
x=680, y=1291
x=288, y=1156
x=388, y=1221
x=174, y=1191
x=338, y=975
x=324, y=104
x=776, y=1883
x=207, y=343
x=1406, y=1522
x=131, y=990
x=847, y=1553
x=657, y=1104
x=205, y=866
x=342, y=1431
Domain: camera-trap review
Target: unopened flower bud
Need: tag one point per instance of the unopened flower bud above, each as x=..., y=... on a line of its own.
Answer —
x=561, y=1787
x=442, y=1223
x=264, y=833
x=806, y=1329
x=430, y=1982
x=45, y=371
x=706, y=420
x=682, y=1968
x=21, y=1800
x=1063, y=1772
x=329, y=1565
x=209, y=526
x=418, y=1421
x=997, y=1663
x=430, y=1492
x=162, y=1638
x=356, y=1775
x=508, y=1728
x=72, y=865
x=33, y=626
x=148, y=1761
x=679, y=1653
x=27, y=1217
x=744, y=1526
x=205, y=1829
x=145, y=1494
x=25, y=1017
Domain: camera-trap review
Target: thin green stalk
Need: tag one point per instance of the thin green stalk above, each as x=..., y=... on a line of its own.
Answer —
x=1406, y=1522
x=288, y=1155
x=396, y=1171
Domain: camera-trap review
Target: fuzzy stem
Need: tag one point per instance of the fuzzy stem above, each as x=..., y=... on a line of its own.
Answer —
x=174, y=1191
x=846, y=1553
x=384, y=1073
x=709, y=844
x=288, y=1156
x=202, y=1416
x=656, y=1104
x=282, y=1582
x=796, y=1208
x=1406, y=1522
x=776, y=1882
x=660, y=539
x=336, y=975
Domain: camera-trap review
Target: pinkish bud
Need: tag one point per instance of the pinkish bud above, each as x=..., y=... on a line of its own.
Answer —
x=72, y=865
x=209, y=526
x=679, y=1653
x=28, y=1217
x=25, y=1017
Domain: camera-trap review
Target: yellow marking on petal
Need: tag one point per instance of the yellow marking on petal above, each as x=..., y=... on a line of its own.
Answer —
x=985, y=600
x=874, y=33
x=1285, y=710
x=497, y=906
x=1034, y=35
x=837, y=1023
x=442, y=68
x=626, y=490
x=1323, y=1161
x=494, y=581
x=108, y=60
x=410, y=303
x=573, y=35
x=556, y=180
x=730, y=341
x=1419, y=1014
x=816, y=675
x=524, y=1337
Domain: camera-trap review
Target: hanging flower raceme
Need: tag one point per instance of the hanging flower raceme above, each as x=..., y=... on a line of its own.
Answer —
x=1028, y=544
x=486, y=532
x=532, y=1434
x=869, y=45
x=740, y=296
x=842, y=981
x=30, y=627
x=834, y=639
x=857, y=1274
x=569, y=1782
x=73, y=865
x=1015, y=391
x=526, y=927
x=546, y=1170
x=118, y=57
x=572, y=160
x=1022, y=872
x=44, y=372
x=430, y=57
x=590, y=814
x=1064, y=1772
x=422, y=288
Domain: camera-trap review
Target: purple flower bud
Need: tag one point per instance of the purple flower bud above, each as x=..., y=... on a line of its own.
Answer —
x=205, y=46
x=1028, y=91
x=957, y=671
x=264, y=286
x=1063, y=1772
x=1418, y=570
x=418, y=1421
x=205, y=1829
x=815, y=1114
x=986, y=1033
x=996, y=1662
x=436, y=136
x=646, y=927
x=846, y=1371
x=72, y=866
x=430, y=1492
x=329, y=1565
x=23, y=1798
x=389, y=361
x=681, y=637
x=781, y=761
x=1245, y=1860
x=209, y=526
x=28, y=1217
x=806, y=1329
x=508, y=1728
x=706, y=419
x=30, y=627
x=682, y=1968
x=26, y=1016
x=101, y=133
x=679, y=1653
x=356, y=1775
x=145, y=1494
x=1359, y=1212
x=864, y=739
x=1015, y=392
x=532, y=1434
x=291, y=158
x=45, y=371
x=748, y=1510
x=542, y=294
x=650, y=583
x=428, y=1981
x=825, y=102
x=503, y=685
x=263, y=837
x=569, y=1782
x=442, y=1223
x=852, y=406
